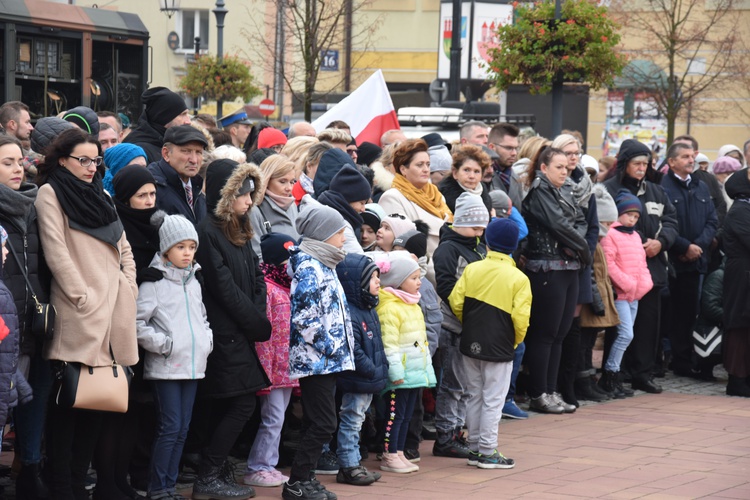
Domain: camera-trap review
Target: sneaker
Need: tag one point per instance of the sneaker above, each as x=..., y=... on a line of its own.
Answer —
x=304, y=490
x=328, y=464
x=412, y=455
x=495, y=461
x=473, y=458
x=452, y=448
x=567, y=408
x=392, y=463
x=410, y=465
x=278, y=475
x=264, y=479
x=358, y=476
x=511, y=410
x=328, y=495
x=545, y=404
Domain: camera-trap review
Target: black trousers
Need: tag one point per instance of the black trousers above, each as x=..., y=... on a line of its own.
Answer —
x=71, y=439
x=318, y=423
x=228, y=417
x=552, y=308
x=684, y=295
x=640, y=355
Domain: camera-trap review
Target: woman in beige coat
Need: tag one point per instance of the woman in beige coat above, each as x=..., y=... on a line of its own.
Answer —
x=93, y=289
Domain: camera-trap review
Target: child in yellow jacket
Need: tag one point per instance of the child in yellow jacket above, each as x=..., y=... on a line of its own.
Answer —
x=492, y=299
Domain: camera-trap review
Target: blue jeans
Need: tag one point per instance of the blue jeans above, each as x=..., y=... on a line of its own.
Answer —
x=352, y=416
x=517, y=360
x=627, y=312
x=30, y=418
x=173, y=400
x=264, y=455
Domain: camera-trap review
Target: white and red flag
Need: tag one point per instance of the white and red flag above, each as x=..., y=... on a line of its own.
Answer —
x=368, y=111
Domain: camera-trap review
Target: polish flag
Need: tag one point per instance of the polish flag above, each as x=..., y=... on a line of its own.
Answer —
x=368, y=111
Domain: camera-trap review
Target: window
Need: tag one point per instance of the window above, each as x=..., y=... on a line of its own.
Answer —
x=192, y=23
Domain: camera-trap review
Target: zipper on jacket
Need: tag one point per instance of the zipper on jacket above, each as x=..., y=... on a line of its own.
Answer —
x=190, y=324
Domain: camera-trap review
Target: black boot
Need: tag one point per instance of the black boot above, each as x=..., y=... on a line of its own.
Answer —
x=29, y=484
x=738, y=386
x=597, y=388
x=608, y=383
x=625, y=390
x=215, y=483
x=584, y=390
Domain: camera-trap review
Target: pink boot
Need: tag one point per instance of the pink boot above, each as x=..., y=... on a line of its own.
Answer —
x=392, y=463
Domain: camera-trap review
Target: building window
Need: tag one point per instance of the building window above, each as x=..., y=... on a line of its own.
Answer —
x=193, y=23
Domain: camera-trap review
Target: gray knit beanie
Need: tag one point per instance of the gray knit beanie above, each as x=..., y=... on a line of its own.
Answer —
x=470, y=211
x=172, y=230
x=394, y=272
x=317, y=221
x=501, y=203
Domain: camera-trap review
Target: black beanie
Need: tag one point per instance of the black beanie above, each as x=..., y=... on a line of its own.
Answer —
x=259, y=155
x=368, y=153
x=162, y=105
x=84, y=118
x=351, y=184
x=128, y=180
x=274, y=248
x=413, y=241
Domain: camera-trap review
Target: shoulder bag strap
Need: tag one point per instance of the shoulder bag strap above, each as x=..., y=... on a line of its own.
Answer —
x=23, y=271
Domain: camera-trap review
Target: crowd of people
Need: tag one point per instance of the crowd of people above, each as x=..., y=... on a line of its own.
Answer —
x=388, y=288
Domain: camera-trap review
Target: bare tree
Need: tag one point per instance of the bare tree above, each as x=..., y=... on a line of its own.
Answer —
x=305, y=30
x=696, y=43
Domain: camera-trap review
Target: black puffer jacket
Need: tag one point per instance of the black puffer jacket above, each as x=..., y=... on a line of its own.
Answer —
x=234, y=291
x=658, y=220
x=18, y=217
x=557, y=225
x=736, y=243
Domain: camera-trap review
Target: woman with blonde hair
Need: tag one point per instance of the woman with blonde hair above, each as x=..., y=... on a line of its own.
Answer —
x=297, y=149
x=306, y=174
x=276, y=211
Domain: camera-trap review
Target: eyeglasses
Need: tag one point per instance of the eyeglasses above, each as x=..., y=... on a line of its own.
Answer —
x=85, y=161
x=507, y=148
x=397, y=216
x=576, y=154
x=352, y=152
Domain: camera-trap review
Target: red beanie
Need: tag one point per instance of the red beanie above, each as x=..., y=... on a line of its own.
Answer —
x=270, y=137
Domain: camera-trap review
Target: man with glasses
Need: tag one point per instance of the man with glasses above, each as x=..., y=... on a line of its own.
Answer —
x=178, y=185
x=503, y=140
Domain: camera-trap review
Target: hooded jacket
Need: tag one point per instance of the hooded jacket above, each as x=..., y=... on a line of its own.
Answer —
x=331, y=162
x=172, y=325
x=170, y=192
x=10, y=377
x=405, y=343
x=658, y=218
x=697, y=222
x=353, y=220
x=234, y=291
x=274, y=353
x=371, y=368
x=736, y=244
x=626, y=264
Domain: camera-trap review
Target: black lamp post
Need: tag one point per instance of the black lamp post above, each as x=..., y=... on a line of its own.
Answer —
x=221, y=12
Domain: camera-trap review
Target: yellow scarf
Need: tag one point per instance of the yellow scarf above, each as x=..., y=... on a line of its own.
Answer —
x=428, y=198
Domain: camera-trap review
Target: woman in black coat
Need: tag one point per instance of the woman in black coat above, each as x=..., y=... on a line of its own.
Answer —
x=235, y=299
x=736, y=242
x=469, y=162
x=18, y=217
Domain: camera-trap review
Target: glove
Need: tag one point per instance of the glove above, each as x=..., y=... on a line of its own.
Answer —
x=148, y=274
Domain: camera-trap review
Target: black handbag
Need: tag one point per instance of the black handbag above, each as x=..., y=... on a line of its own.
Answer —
x=44, y=314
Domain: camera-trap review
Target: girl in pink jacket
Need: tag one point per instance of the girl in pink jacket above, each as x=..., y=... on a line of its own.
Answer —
x=626, y=262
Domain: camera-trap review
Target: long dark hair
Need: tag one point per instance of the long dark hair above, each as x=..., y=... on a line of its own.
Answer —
x=61, y=147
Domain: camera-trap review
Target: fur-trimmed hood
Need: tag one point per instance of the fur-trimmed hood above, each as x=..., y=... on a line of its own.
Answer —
x=383, y=178
x=224, y=179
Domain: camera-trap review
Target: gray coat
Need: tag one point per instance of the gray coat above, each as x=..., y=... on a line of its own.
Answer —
x=280, y=221
x=172, y=325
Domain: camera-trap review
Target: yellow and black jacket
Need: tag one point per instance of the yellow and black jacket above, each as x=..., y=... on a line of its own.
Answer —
x=493, y=301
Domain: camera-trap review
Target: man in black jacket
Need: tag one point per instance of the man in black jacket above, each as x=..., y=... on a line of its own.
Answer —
x=658, y=230
x=178, y=185
x=163, y=110
x=697, y=225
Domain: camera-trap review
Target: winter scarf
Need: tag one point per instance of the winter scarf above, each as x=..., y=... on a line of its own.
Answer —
x=329, y=255
x=277, y=274
x=284, y=202
x=15, y=205
x=85, y=203
x=408, y=298
x=428, y=198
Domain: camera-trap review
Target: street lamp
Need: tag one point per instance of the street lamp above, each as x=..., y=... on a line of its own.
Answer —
x=169, y=7
x=221, y=12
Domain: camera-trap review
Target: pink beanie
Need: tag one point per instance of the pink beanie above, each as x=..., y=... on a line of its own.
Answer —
x=399, y=225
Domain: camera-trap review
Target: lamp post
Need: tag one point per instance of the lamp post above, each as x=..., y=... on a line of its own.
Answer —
x=169, y=7
x=557, y=87
x=221, y=12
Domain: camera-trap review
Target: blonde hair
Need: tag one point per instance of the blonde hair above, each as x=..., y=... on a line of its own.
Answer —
x=273, y=167
x=228, y=152
x=563, y=140
x=334, y=136
x=297, y=148
x=531, y=146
